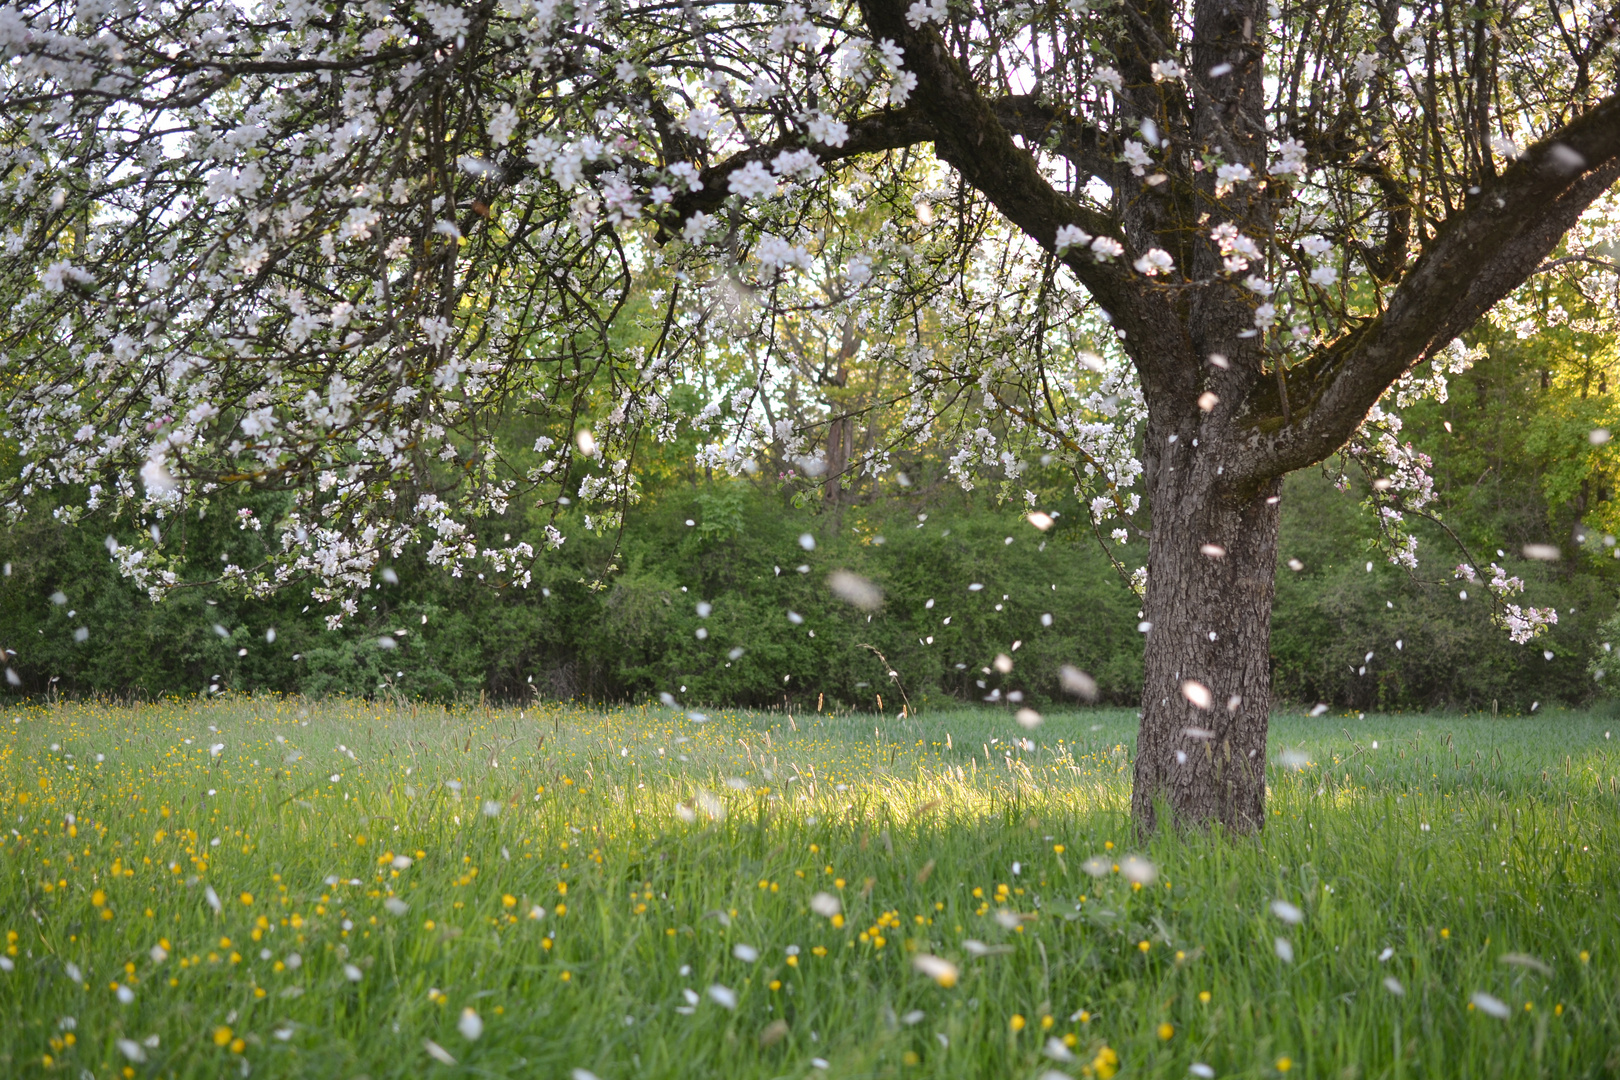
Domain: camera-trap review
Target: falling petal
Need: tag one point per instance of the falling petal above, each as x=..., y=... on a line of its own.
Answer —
x=1077, y=682
x=711, y=805
x=723, y=996
x=1196, y=693
x=437, y=1052
x=942, y=971
x=1490, y=1006
x=1285, y=950
x=855, y=590
x=1134, y=868
x=1287, y=912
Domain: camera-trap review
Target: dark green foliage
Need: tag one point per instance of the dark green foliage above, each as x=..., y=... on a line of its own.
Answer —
x=1332, y=613
x=633, y=637
x=605, y=624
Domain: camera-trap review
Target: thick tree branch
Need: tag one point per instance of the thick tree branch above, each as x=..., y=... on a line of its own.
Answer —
x=1082, y=144
x=891, y=130
x=1479, y=256
x=869, y=134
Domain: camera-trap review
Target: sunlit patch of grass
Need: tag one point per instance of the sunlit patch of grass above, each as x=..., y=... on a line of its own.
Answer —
x=281, y=888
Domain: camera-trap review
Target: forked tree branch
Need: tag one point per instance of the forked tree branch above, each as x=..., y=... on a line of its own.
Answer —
x=1480, y=255
x=970, y=138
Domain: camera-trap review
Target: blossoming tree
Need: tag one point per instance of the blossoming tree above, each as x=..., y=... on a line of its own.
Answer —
x=326, y=248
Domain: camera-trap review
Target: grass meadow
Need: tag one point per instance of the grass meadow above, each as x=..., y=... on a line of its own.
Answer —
x=270, y=887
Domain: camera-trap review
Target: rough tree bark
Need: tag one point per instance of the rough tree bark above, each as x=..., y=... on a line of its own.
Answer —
x=1201, y=749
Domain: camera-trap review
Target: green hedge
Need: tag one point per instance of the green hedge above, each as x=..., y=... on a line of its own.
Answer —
x=635, y=635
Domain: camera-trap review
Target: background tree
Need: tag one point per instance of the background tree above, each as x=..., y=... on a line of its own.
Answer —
x=322, y=248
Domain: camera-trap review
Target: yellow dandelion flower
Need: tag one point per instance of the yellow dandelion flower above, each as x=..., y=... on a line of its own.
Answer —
x=1017, y=1022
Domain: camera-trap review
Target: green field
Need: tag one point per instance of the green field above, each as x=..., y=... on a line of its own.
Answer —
x=277, y=888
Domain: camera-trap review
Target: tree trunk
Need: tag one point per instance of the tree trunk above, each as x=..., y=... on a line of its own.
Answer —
x=1201, y=749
